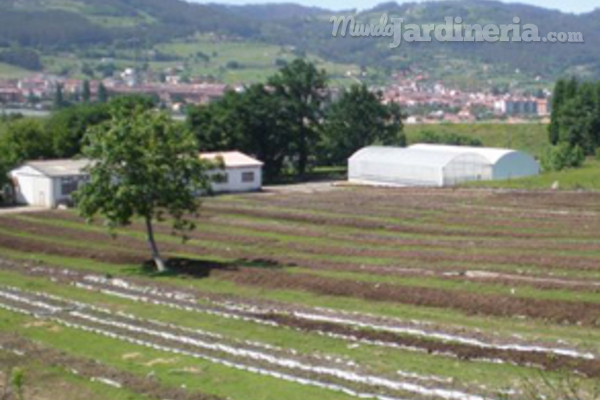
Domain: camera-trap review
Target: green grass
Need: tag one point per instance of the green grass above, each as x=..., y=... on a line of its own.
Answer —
x=210, y=378
x=324, y=243
x=12, y=72
x=584, y=178
x=374, y=357
x=531, y=138
x=502, y=326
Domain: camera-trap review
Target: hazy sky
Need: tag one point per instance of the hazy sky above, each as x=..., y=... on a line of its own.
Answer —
x=576, y=6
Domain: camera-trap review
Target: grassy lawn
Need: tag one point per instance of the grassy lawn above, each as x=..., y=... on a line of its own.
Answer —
x=585, y=178
x=531, y=138
x=11, y=72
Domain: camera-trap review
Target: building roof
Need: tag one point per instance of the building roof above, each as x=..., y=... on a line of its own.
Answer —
x=58, y=168
x=232, y=159
x=493, y=155
x=410, y=156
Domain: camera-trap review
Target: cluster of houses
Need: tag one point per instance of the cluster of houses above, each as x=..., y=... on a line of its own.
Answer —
x=40, y=89
x=411, y=93
x=51, y=183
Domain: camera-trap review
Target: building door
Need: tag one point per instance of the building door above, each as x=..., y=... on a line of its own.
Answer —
x=42, y=199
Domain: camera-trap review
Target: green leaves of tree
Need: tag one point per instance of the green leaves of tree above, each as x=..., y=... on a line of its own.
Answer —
x=143, y=165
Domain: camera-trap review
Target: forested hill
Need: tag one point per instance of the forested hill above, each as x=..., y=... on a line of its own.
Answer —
x=58, y=25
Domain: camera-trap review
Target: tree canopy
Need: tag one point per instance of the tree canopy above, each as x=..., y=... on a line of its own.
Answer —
x=143, y=165
x=357, y=120
x=576, y=115
x=301, y=90
x=291, y=122
x=252, y=122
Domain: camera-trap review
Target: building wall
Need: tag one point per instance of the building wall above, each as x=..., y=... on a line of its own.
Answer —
x=515, y=165
x=235, y=183
x=35, y=189
x=58, y=196
x=467, y=168
x=381, y=173
x=32, y=188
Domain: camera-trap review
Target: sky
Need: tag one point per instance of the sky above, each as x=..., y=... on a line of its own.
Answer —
x=574, y=6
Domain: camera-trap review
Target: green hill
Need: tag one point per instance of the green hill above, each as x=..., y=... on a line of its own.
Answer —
x=90, y=29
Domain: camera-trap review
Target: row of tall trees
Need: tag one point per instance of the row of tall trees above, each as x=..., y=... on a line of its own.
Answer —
x=574, y=129
x=576, y=115
x=292, y=122
x=60, y=136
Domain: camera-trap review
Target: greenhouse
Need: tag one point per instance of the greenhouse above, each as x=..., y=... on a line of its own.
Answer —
x=505, y=163
x=432, y=165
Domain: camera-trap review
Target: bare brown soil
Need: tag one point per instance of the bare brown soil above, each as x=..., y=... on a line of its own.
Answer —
x=501, y=306
x=549, y=362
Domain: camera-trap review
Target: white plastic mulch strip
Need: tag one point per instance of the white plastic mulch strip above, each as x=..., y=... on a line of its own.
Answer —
x=349, y=376
x=325, y=316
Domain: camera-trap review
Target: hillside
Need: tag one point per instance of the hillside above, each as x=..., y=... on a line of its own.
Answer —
x=88, y=31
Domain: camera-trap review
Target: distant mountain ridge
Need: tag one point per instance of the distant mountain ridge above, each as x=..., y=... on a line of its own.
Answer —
x=50, y=25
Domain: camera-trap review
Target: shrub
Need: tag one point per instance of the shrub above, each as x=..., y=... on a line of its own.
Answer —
x=562, y=156
x=233, y=65
x=454, y=139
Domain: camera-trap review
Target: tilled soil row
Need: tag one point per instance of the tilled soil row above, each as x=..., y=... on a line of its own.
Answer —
x=556, y=262
x=489, y=219
x=428, y=199
x=131, y=244
x=374, y=239
x=549, y=362
x=353, y=327
x=92, y=369
x=554, y=311
x=477, y=304
x=141, y=332
x=480, y=217
x=354, y=223
x=32, y=246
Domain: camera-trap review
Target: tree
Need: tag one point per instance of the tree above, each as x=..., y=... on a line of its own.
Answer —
x=357, y=120
x=102, y=93
x=132, y=103
x=24, y=139
x=251, y=121
x=86, y=93
x=59, y=100
x=558, y=99
x=562, y=156
x=577, y=119
x=143, y=165
x=301, y=90
x=5, y=168
x=67, y=127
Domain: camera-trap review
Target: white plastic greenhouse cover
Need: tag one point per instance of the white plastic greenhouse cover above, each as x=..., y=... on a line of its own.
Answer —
x=415, y=167
x=506, y=163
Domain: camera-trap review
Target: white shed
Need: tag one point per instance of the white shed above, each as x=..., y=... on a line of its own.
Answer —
x=505, y=163
x=48, y=183
x=242, y=173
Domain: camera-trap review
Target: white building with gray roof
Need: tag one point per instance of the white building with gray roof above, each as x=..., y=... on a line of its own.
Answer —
x=48, y=183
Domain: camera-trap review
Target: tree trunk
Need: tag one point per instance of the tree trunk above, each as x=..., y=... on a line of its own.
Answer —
x=158, y=261
x=302, y=154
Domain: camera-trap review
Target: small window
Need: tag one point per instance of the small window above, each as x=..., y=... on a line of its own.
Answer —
x=68, y=186
x=247, y=177
x=221, y=178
